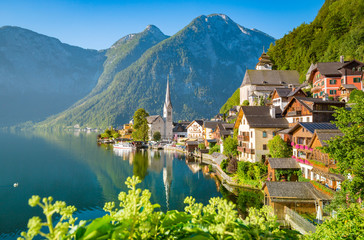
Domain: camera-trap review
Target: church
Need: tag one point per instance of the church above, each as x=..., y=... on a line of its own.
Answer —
x=164, y=124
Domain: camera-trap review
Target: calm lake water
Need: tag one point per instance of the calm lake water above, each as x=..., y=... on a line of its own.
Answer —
x=71, y=167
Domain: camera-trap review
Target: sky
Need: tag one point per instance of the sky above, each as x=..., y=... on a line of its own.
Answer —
x=97, y=24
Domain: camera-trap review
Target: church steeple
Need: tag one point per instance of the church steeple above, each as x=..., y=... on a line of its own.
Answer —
x=264, y=62
x=167, y=103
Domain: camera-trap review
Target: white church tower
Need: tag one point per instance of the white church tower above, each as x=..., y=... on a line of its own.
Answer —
x=167, y=116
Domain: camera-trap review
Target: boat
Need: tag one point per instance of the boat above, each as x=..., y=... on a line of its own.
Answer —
x=124, y=145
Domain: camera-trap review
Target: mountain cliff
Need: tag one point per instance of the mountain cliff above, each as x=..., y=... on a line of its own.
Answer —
x=40, y=76
x=338, y=29
x=204, y=62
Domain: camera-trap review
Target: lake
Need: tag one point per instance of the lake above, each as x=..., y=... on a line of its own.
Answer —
x=71, y=167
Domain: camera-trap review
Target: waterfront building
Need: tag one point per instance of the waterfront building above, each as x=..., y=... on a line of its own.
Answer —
x=277, y=164
x=256, y=126
x=195, y=130
x=327, y=77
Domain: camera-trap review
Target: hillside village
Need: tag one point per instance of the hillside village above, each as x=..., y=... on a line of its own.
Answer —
x=273, y=103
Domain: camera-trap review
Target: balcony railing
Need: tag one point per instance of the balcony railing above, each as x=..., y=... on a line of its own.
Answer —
x=246, y=150
x=316, y=89
x=241, y=149
x=243, y=138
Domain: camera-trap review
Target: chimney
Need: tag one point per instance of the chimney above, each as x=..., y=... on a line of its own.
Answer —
x=272, y=111
x=342, y=58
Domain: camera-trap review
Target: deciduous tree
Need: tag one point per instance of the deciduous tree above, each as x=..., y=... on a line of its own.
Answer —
x=279, y=148
x=141, y=128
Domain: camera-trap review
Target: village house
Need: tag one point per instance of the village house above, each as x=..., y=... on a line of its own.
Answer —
x=345, y=90
x=281, y=96
x=258, y=84
x=209, y=128
x=222, y=131
x=275, y=165
x=256, y=126
x=126, y=131
x=301, y=197
x=323, y=166
x=327, y=77
x=195, y=130
x=180, y=130
x=303, y=109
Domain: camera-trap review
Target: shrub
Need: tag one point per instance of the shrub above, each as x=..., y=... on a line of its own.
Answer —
x=215, y=148
x=201, y=146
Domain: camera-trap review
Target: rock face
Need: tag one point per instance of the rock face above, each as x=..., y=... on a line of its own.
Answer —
x=204, y=62
x=40, y=76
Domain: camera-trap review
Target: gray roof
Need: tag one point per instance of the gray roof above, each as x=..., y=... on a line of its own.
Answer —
x=294, y=190
x=151, y=119
x=349, y=86
x=294, y=92
x=283, y=163
x=283, y=92
x=310, y=102
x=259, y=117
x=329, y=68
x=324, y=135
x=210, y=124
x=271, y=77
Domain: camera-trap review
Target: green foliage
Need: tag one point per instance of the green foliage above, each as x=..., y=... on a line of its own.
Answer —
x=157, y=136
x=247, y=199
x=337, y=30
x=234, y=100
x=116, y=135
x=232, y=166
x=287, y=173
x=279, y=148
x=105, y=135
x=201, y=146
x=136, y=218
x=224, y=163
x=215, y=148
x=356, y=94
x=348, y=223
x=348, y=149
x=230, y=146
x=141, y=128
x=322, y=187
x=245, y=103
x=251, y=173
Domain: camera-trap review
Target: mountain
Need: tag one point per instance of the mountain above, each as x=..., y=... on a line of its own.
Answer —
x=40, y=76
x=204, y=62
x=338, y=29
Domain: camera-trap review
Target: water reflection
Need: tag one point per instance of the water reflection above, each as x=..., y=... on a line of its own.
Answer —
x=71, y=167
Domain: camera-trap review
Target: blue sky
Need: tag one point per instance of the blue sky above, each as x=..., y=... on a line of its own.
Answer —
x=97, y=24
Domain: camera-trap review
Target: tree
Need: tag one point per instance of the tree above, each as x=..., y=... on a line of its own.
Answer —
x=230, y=146
x=156, y=136
x=232, y=165
x=141, y=128
x=246, y=103
x=201, y=146
x=356, y=94
x=348, y=149
x=116, y=135
x=279, y=148
x=346, y=224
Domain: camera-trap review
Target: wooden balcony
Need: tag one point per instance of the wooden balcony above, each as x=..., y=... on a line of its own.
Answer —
x=294, y=113
x=316, y=89
x=243, y=138
x=244, y=149
x=241, y=149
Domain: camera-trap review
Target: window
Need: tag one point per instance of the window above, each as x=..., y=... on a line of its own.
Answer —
x=274, y=134
x=264, y=134
x=342, y=81
x=356, y=80
x=332, y=81
x=322, y=83
x=251, y=134
x=332, y=92
x=321, y=93
x=307, y=119
x=264, y=146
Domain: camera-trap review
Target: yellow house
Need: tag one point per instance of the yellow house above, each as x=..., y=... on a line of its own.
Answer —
x=126, y=131
x=256, y=126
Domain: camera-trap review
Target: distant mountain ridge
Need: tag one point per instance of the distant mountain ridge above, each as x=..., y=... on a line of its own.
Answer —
x=41, y=76
x=205, y=62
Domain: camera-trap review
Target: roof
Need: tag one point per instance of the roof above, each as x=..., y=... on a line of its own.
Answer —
x=218, y=157
x=259, y=117
x=294, y=92
x=179, y=128
x=271, y=77
x=294, y=190
x=191, y=142
x=283, y=92
x=210, y=124
x=153, y=118
x=310, y=102
x=225, y=131
x=331, y=176
x=312, y=126
x=324, y=135
x=349, y=86
x=283, y=163
x=199, y=122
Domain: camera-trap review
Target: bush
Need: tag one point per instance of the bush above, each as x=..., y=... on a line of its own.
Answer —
x=233, y=165
x=248, y=199
x=136, y=218
x=157, y=136
x=224, y=164
x=215, y=148
x=201, y=146
x=245, y=103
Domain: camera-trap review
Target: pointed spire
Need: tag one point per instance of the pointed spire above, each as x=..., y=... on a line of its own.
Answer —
x=263, y=49
x=167, y=102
